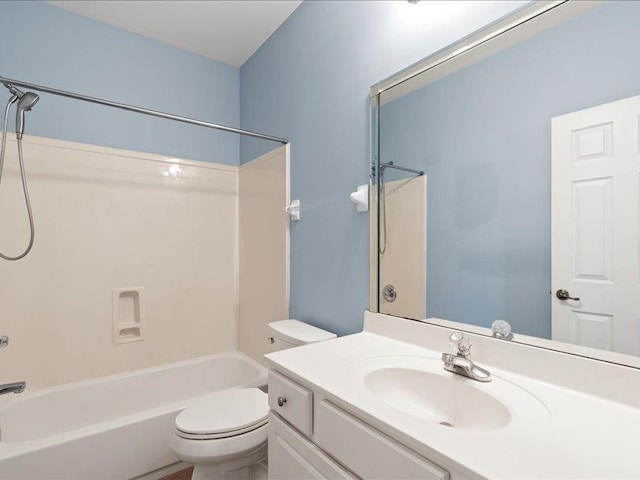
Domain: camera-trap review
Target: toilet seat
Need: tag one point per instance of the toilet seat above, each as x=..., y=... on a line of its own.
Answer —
x=217, y=436
x=225, y=414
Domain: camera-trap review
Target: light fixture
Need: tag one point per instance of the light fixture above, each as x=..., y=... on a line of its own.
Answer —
x=174, y=171
x=413, y=16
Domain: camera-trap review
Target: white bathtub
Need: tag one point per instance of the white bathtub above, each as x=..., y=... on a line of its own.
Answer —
x=115, y=427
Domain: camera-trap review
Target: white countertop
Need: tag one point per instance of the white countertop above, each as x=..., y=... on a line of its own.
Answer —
x=583, y=436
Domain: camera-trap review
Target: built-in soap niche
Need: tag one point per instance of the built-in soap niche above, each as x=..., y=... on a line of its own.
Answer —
x=128, y=315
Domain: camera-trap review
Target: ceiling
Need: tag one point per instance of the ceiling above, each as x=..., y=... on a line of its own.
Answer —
x=227, y=31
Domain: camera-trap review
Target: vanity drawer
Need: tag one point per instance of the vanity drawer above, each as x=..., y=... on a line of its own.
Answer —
x=291, y=401
x=367, y=452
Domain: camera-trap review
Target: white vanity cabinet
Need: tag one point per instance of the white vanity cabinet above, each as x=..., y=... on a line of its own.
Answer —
x=310, y=437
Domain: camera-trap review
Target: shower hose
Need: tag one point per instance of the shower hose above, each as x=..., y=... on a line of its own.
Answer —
x=24, y=181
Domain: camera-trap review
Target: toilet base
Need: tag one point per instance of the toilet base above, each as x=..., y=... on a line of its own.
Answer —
x=249, y=467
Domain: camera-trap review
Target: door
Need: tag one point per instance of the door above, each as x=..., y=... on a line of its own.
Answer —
x=595, y=221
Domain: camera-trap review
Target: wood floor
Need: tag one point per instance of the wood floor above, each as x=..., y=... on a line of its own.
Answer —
x=181, y=475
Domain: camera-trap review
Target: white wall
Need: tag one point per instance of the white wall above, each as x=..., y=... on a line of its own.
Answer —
x=106, y=219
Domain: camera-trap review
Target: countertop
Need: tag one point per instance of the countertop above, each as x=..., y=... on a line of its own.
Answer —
x=580, y=436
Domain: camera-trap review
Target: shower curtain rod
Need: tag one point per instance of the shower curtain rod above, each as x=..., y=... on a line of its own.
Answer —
x=132, y=108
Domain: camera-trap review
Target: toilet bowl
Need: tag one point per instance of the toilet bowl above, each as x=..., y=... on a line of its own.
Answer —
x=225, y=434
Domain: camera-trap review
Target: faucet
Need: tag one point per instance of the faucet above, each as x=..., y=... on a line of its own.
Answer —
x=460, y=363
x=16, y=387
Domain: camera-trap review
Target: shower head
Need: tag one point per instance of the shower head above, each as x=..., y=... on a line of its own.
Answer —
x=25, y=104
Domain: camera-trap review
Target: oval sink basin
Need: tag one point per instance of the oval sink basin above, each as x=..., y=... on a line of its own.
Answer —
x=420, y=388
x=447, y=401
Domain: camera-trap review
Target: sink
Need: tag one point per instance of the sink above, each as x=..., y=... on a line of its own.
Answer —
x=448, y=401
x=420, y=388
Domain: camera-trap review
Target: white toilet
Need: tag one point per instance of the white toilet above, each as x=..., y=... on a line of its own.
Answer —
x=225, y=434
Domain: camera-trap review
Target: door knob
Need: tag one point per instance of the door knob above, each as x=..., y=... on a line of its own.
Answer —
x=564, y=295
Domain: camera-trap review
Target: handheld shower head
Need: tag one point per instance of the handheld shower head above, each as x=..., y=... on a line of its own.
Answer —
x=25, y=104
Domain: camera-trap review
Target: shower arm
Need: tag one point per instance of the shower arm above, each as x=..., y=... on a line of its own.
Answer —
x=9, y=83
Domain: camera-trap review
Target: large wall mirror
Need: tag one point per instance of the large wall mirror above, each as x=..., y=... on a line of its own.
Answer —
x=508, y=171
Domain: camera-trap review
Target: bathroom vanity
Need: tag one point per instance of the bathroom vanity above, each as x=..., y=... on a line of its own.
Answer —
x=379, y=404
x=312, y=437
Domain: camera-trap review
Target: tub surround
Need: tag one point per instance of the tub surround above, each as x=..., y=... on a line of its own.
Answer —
x=589, y=408
x=404, y=262
x=264, y=249
x=110, y=219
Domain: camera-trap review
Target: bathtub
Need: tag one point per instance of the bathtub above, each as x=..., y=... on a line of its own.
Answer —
x=115, y=427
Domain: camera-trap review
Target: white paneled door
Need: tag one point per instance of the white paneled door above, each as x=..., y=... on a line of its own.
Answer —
x=595, y=225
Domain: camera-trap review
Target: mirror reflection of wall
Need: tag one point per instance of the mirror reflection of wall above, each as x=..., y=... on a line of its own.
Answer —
x=483, y=136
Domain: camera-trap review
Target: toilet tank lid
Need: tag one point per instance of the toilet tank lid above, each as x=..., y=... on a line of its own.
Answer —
x=299, y=333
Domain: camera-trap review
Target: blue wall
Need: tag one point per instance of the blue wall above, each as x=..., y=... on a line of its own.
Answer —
x=483, y=136
x=310, y=82
x=49, y=46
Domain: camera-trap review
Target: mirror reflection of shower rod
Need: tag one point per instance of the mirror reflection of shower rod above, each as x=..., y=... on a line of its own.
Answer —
x=383, y=166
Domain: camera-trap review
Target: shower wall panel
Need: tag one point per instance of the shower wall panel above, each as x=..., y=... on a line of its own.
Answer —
x=264, y=249
x=114, y=219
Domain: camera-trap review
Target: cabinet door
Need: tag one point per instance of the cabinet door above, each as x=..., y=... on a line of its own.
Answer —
x=292, y=457
x=368, y=452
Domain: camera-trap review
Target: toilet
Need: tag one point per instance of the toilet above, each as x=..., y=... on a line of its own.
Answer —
x=225, y=434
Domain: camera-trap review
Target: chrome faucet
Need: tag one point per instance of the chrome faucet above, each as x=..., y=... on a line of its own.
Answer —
x=460, y=362
x=16, y=387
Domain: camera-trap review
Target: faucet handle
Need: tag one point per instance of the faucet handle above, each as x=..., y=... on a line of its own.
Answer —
x=460, y=343
x=501, y=330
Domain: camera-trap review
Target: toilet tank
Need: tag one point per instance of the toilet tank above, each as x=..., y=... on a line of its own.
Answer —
x=293, y=333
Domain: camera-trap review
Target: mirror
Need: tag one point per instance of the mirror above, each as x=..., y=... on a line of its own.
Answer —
x=528, y=134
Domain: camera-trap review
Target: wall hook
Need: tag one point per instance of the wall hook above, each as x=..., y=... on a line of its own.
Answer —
x=361, y=198
x=293, y=210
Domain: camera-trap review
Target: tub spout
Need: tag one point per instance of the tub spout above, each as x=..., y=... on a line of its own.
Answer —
x=16, y=387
